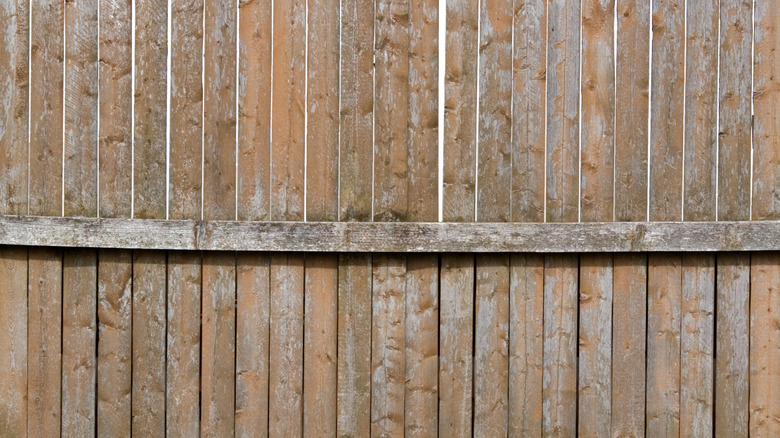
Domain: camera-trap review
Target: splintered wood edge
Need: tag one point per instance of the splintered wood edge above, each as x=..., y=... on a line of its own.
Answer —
x=390, y=236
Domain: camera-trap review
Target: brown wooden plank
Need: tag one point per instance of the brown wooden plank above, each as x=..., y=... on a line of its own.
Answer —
x=354, y=345
x=529, y=72
x=148, y=396
x=664, y=297
x=388, y=344
x=115, y=108
x=491, y=345
x=460, y=118
x=559, y=390
x=218, y=338
x=526, y=332
x=629, y=331
x=44, y=342
x=563, y=90
x=186, y=124
x=13, y=341
x=254, y=109
x=46, y=106
x=595, y=345
x=285, y=376
x=494, y=168
x=766, y=121
x=357, y=110
x=320, y=358
x=149, y=142
x=456, y=334
x=732, y=344
x=632, y=83
x=14, y=110
x=322, y=188
x=182, y=381
x=764, y=344
x=697, y=345
x=115, y=343
x=288, y=111
x=81, y=106
x=666, y=116
x=252, y=343
x=79, y=342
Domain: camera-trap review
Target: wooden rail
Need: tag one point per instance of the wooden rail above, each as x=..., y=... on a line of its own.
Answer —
x=390, y=236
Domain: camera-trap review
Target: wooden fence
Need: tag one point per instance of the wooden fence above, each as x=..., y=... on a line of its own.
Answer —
x=189, y=135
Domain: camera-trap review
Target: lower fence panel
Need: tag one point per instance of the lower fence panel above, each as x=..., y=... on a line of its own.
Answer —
x=152, y=343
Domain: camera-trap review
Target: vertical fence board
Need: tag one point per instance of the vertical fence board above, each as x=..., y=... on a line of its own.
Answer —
x=252, y=343
x=218, y=338
x=388, y=344
x=320, y=362
x=44, y=342
x=13, y=342
x=79, y=342
x=764, y=344
x=526, y=344
x=354, y=349
x=115, y=343
x=151, y=94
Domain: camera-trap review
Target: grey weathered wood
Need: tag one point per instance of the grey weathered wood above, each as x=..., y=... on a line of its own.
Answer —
x=389, y=236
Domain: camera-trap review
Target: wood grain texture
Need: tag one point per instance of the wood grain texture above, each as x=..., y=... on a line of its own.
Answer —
x=115, y=97
x=701, y=111
x=81, y=107
x=182, y=394
x=288, y=111
x=697, y=345
x=664, y=300
x=563, y=116
x=149, y=328
x=456, y=335
x=44, y=342
x=460, y=106
x=734, y=109
x=632, y=89
x=252, y=343
x=732, y=345
x=357, y=110
x=491, y=345
x=629, y=335
x=388, y=344
x=529, y=77
x=285, y=376
x=320, y=344
x=46, y=106
x=598, y=110
x=115, y=342
x=526, y=344
x=79, y=342
x=595, y=345
x=354, y=346
x=322, y=141
x=764, y=344
x=254, y=109
x=666, y=116
x=219, y=110
x=13, y=342
x=559, y=385
x=766, y=121
x=150, y=123
x=494, y=165
x=186, y=124
x=218, y=338
x=14, y=109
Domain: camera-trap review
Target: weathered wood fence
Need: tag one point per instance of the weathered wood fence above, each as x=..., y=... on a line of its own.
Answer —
x=172, y=129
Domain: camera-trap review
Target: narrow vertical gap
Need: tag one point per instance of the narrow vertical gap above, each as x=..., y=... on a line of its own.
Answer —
x=511, y=120
x=479, y=103
x=684, y=112
x=442, y=65
x=237, y=90
x=203, y=111
x=615, y=106
x=271, y=125
x=168, y=116
x=752, y=90
x=64, y=18
x=546, y=76
x=306, y=109
x=338, y=144
x=236, y=267
x=579, y=121
x=649, y=107
x=132, y=109
x=29, y=98
x=717, y=121
x=373, y=112
x=97, y=128
x=165, y=301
